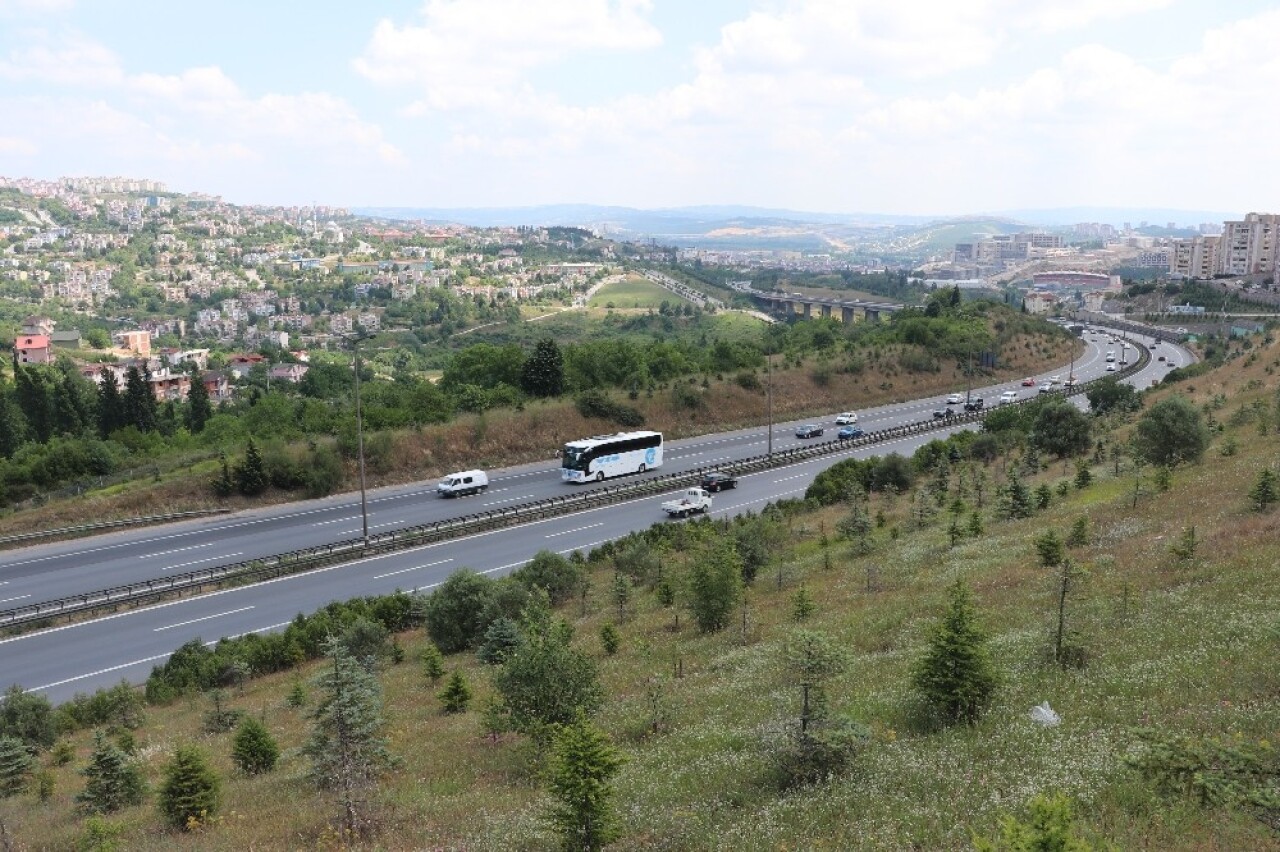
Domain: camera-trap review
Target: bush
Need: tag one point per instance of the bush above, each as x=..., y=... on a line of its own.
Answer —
x=558, y=576
x=254, y=751
x=819, y=754
x=454, y=613
x=29, y=717
x=596, y=404
x=1172, y=431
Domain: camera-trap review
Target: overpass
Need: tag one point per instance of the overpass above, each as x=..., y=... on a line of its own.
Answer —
x=845, y=310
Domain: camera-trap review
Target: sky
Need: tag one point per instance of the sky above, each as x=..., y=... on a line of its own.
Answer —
x=937, y=107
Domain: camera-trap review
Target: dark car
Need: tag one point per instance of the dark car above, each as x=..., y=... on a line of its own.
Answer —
x=718, y=481
x=943, y=413
x=809, y=431
x=849, y=432
x=974, y=403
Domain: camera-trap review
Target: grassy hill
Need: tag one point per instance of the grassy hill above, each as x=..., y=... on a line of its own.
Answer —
x=1180, y=643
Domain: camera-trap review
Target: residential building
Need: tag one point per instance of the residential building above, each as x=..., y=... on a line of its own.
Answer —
x=1248, y=246
x=33, y=349
x=138, y=342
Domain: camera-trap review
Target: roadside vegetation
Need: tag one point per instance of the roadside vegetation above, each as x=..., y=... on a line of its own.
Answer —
x=511, y=394
x=1054, y=633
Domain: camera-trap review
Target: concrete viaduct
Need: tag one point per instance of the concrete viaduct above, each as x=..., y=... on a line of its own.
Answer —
x=845, y=310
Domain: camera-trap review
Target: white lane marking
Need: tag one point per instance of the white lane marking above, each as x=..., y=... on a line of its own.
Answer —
x=199, y=561
x=247, y=632
x=505, y=567
x=18, y=598
x=177, y=550
x=789, y=478
x=334, y=521
x=579, y=529
x=414, y=568
x=102, y=671
x=202, y=618
x=582, y=546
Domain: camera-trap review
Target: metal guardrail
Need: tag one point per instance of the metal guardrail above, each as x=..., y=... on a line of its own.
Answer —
x=299, y=561
x=106, y=525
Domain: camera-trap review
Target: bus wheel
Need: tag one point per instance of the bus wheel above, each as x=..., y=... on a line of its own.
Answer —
x=600, y=476
x=641, y=470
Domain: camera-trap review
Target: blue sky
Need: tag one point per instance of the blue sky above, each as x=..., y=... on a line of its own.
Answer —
x=916, y=107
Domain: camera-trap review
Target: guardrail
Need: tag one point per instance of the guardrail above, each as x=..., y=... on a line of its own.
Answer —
x=106, y=525
x=299, y=561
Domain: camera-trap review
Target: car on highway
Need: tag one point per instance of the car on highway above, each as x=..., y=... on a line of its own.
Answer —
x=718, y=480
x=1028, y=382
x=1161, y=358
x=847, y=432
x=955, y=399
x=1008, y=397
x=1054, y=380
x=1111, y=368
x=943, y=413
x=846, y=418
x=809, y=430
x=1047, y=387
x=974, y=403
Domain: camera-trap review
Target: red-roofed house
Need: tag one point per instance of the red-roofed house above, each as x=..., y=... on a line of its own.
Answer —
x=34, y=349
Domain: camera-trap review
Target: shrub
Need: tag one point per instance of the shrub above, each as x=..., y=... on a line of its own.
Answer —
x=559, y=577
x=456, y=695
x=454, y=613
x=191, y=790
x=955, y=676
x=29, y=717
x=254, y=751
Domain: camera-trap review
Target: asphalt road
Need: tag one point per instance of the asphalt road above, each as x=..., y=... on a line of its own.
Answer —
x=85, y=656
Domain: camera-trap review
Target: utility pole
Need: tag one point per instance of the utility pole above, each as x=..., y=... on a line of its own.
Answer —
x=364, y=503
x=769, y=395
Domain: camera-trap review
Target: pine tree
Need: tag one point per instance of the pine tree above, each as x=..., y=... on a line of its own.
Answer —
x=502, y=637
x=12, y=426
x=432, y=663
x=1016, y=499
x=112, y=780
x=251, y=474
x=715, y=585
x=139, y=402
x=199, y=408
x=32, y=394
x=456, y=695
x=547, y=680
x=543, y=372
x=254, y=750
x=1266, y=490
x=1044, y=496
x=15, y=766
x=610, y=639
x=955, y=676
x=191, y=790
x=346, y=747
x=583, y=765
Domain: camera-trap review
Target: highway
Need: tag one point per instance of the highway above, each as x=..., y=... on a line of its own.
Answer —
x=82, y=657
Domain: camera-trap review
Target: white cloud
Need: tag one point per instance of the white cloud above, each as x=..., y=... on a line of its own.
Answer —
x=476, y=53
x=67, y=60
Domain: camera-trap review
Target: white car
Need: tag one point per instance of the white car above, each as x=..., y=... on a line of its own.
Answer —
x=955, y=399
x=846, y=418
x=1008, y=397
x=1111, y=368
x=1054, y=380
x=1047, y=387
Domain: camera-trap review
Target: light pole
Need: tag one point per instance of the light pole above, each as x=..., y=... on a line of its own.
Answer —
x=769, y=395
x=364, y=503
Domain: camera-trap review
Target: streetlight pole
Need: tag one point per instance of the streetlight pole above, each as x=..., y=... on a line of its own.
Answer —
x=364, y=503
x=769, y=395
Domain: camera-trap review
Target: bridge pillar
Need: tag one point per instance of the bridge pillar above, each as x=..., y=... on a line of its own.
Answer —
x=826, y=311
x=786, y=308
x=808, y=310
x=847, y=315
x=872, y=315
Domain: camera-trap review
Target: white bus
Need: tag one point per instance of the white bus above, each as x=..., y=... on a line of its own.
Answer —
x=603, y=456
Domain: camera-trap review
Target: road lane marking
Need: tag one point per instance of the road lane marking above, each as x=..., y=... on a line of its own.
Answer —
x=18, y=598
x=202, y=618
x=414, y=568
x=177, y=550
x=200, y=561
x=334, y=521
x=582, y=546
x=579, y=529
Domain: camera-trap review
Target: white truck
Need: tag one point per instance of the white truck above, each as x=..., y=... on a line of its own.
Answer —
x=694, y=501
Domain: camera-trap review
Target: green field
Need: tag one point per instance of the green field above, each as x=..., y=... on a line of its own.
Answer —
x=634, y=292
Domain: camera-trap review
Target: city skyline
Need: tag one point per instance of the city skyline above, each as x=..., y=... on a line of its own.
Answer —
x=932, y=109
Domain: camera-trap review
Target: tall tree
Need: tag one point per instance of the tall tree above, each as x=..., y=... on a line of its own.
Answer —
x=15, y=766
x=12, y=426
x=140, y=407
x=251, y=474
x=191, y=790
x=347, y=747
x=955, y=676
x=33, y=397
x=583, y=765
x=1172, y=431
x=199, y=408
x=543, y=373
x=110, y=404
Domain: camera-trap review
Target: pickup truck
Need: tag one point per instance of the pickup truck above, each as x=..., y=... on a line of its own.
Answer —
x=694, y=501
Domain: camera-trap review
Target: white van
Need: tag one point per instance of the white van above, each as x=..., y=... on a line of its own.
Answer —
x=462, y=483
x=1008, y=397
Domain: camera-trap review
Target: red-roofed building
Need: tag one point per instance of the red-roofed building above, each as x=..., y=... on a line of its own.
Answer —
x=34, y=349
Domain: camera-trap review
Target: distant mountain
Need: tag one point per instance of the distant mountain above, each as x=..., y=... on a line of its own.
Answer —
x=1117, y=216
x=673, y=221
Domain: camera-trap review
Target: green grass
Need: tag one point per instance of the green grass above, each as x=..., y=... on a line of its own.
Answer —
x=634, y=293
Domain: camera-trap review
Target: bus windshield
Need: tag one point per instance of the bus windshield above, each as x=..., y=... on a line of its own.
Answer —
x=574, y=458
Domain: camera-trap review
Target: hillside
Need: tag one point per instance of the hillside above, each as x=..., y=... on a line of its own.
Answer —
x=1176, y=633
